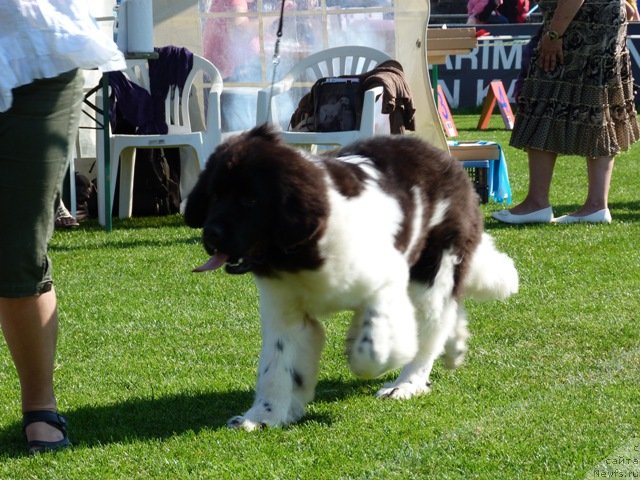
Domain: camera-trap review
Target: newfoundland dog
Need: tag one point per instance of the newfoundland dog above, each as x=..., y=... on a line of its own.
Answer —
x=388, y=228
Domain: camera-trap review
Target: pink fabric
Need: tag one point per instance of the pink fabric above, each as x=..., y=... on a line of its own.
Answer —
x=226, y=43
x=474, y=7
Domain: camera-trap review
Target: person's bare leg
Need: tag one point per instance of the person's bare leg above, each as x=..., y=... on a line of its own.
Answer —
x=599, y=172
x=541, y=165
x=30, y=327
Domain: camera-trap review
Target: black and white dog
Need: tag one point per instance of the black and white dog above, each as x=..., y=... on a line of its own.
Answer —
x=387, y=227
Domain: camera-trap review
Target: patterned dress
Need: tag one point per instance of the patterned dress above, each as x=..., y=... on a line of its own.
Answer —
x=585, y=106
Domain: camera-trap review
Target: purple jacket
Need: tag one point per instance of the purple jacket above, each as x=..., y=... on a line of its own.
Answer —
x=134, y=110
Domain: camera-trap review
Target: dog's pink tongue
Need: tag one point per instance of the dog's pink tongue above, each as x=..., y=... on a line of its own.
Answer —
x=216, y=261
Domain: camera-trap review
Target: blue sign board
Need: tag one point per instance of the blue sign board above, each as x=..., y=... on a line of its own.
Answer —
x=465, y=79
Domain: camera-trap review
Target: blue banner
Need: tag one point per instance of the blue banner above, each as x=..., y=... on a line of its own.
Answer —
x=465, y=79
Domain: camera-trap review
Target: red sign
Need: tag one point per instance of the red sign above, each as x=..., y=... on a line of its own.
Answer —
x=496, y=94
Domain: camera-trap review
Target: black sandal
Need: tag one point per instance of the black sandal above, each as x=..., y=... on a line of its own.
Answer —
x=52, y=418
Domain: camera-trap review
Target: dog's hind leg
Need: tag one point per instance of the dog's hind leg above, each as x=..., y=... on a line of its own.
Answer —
x=438, y=313
x=287, y=370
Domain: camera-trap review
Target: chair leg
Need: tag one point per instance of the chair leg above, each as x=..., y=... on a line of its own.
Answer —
x=190, y=167
x=73, y=202
x=102, y=211
x=127, y=166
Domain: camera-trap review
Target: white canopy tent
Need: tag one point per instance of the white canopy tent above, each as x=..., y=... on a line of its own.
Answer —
x=398, y=27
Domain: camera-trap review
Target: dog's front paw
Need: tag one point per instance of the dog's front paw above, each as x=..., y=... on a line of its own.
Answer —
x=403, y=391
x=243, y=423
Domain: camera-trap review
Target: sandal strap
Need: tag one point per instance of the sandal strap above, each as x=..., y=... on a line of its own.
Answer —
x=62, y=211
x=52, y=418
x=39, y=446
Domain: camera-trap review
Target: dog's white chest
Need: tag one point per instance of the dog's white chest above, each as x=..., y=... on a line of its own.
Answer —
x=358, y=252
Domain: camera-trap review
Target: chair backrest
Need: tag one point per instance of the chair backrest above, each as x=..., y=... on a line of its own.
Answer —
x=177, y=115
x=333, y=62
x=202, y=73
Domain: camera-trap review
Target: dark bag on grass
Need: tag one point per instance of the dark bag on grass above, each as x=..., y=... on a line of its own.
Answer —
x=156, y=183
x=85, y=194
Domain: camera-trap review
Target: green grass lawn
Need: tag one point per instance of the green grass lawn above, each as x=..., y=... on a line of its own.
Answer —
x=153, y=360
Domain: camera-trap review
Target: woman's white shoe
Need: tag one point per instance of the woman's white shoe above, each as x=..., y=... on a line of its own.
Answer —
x=601, y=216
x=544, y=215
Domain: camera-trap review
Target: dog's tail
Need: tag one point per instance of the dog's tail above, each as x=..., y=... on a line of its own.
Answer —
x=492, y=274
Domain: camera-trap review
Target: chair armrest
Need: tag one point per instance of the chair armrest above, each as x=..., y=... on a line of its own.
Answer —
x=371, y=104
x=263, y=113
x=376, y=92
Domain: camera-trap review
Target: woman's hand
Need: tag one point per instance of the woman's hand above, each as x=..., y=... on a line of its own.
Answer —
x=550, y=53
x=550, y=46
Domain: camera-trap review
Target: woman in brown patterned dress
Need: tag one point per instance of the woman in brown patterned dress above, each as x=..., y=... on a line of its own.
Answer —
x=577, y=99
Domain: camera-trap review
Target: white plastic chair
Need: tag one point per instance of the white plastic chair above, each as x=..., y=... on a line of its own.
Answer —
x=180, y=134
x=332, y=62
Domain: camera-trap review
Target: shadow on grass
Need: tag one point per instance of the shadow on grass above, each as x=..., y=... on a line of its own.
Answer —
x=195, y=239
x=622, y=211
x=161, y=418
x=137, y=223
x=481, y=134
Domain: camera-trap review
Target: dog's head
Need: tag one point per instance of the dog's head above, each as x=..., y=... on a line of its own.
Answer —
x=261, y=205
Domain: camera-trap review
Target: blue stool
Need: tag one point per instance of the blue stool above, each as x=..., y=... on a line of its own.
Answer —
x=479, y=173
x=499, y=188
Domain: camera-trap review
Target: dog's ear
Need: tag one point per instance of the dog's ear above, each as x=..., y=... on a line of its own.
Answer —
x=195, y=212
x=302, y=213
x=264, y=132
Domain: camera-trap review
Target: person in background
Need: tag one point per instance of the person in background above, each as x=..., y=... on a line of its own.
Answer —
x=515, y=11
x=231, y=43
x=577, y=98
x=43, y=44
x=485, y=12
